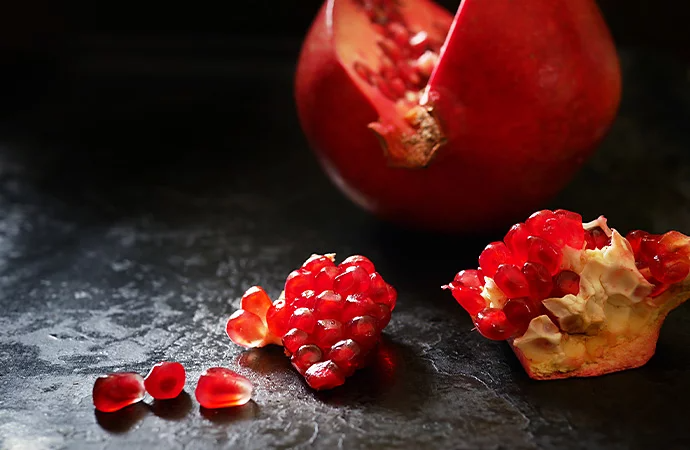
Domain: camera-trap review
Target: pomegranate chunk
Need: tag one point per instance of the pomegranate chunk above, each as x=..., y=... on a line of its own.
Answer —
x=165, y=380
x=329, y=326
x=219, y=387
x=586, y=301
x=115, y=391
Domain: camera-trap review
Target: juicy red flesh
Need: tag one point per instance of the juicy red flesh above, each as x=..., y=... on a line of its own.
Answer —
x=493, y=324
x=662, y=259
x=115, y=391
x=331, y=318
x=219, y=387
x=165, y=380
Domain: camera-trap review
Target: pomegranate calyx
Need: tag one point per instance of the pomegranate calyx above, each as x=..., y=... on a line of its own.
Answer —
x=415, y=149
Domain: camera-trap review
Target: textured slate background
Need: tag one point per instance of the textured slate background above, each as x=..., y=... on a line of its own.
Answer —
x=134, y=211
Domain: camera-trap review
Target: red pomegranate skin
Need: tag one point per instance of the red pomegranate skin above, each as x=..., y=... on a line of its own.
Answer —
x=524, y=93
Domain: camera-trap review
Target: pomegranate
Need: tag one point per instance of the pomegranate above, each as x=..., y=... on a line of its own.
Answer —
x=329, y=318
x=574, y=299
x=482, y=117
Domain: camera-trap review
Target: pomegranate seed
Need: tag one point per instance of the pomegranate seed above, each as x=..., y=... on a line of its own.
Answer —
x=392, y=298
x=554, y=232
x=659, y=288
x=358, y=260
x=306, y=299
x=545, y=253
x=511, y=281
x=468, y=298
x=390, y=49
x=352, y=280
x=469, y=278
x=294, y=339
x=669, y=268
x=398, y=33
x=117, y=390
x=674, y=241
x=409, y=75
x=516, y=241
x=165, y=380
x=358, y=305
x=363, y=330
x=246, y=329
x=323, y=281
x=635, y=239
x=378, y=288
x=305, y=356
x=539, y=279
x=317, y=262
x=571, y=223
x=419, y=43
x=596, y=238
x=519, y=312
x=385, y=90
x=256, y=300
x=303, y=319
x=566, y=282
x=493, y=324
x=382, y=314
x=329, y=305
x=495, y=254
x=535, y=223
x=345, y=354
x=327, y=332
x=297, y=282
x=570, y=215
x=397, y=86
x=324, y=375
x=219, y=387
x=277, y=318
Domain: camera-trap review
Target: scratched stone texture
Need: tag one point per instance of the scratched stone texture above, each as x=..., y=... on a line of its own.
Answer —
x=134, y=213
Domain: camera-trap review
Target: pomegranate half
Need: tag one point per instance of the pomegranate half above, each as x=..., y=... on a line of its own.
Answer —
x=574, y=299
x=456, y=123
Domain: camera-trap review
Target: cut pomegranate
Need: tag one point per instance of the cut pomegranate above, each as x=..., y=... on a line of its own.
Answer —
x=587, y=301
x=219, y=387
x=115, y=391
x=505, y=100
x=331, y=325
x=165, y=380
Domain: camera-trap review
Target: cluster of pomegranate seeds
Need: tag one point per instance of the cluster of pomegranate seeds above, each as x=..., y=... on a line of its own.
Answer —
x=407, y=57
x=662, y=259
x=115, y=391
x=526, y=267
x=165, y=380
x=219, y=387
x=328, y=319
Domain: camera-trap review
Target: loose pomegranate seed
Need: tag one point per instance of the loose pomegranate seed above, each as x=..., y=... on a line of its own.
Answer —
x=510, y=279
x=566, y=282
x=324, y=375
x=294, y=339
x=165, y=380
x=117, y=390
x=327, y=333
x=297, y=282
x=316, y=263
x=545, y=253
x=323, y=280
x=303, y=319
x=539, y=279
x=493, y=256
x=516, y=241
x=305, y=356
x=246, y=328
x=519, y=312
x=669, y=268
x=469, y=278
x=256, y=301
x=535, y=223
x=345, y=354
x=360, y=261
x=468, y=298
x=493, y=324
x=219, y=387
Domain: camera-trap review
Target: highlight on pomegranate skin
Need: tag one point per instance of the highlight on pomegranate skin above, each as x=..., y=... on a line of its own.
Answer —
x=573, y=298
x=165, y=380
x=115, y=391
x=220, y=387
x=329, y=317
x=482, y=97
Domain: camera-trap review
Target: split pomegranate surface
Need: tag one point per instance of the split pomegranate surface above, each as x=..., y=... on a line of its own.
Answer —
x=329, y=318
x=456, y=123
x=574, y=298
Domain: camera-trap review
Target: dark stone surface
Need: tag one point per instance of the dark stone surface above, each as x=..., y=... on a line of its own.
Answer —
x=134, y=211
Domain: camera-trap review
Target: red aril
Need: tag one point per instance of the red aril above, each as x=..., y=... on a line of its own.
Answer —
x=566, y=282
x=115, y=391
x=516, y=241
x=494, y=255
x=519, y=312
x=507, y=102
x=493, y=324
x=511, y=281
x=470, y=278
x=219, y=387
x=539, y=279
x=469, y=298
x=165, y=380
x=543, y=252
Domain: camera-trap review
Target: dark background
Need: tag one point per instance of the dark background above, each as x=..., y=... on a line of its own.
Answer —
x=152, y=168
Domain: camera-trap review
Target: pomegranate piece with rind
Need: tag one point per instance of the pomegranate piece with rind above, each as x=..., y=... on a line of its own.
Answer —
x=117, y=390
x=328, y=318
x=220, y=387
x=595, y=300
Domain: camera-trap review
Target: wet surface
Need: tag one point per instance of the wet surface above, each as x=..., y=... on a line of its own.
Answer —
x=133, y=214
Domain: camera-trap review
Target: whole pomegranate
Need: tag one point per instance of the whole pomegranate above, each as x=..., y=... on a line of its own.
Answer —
x=456, y=124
